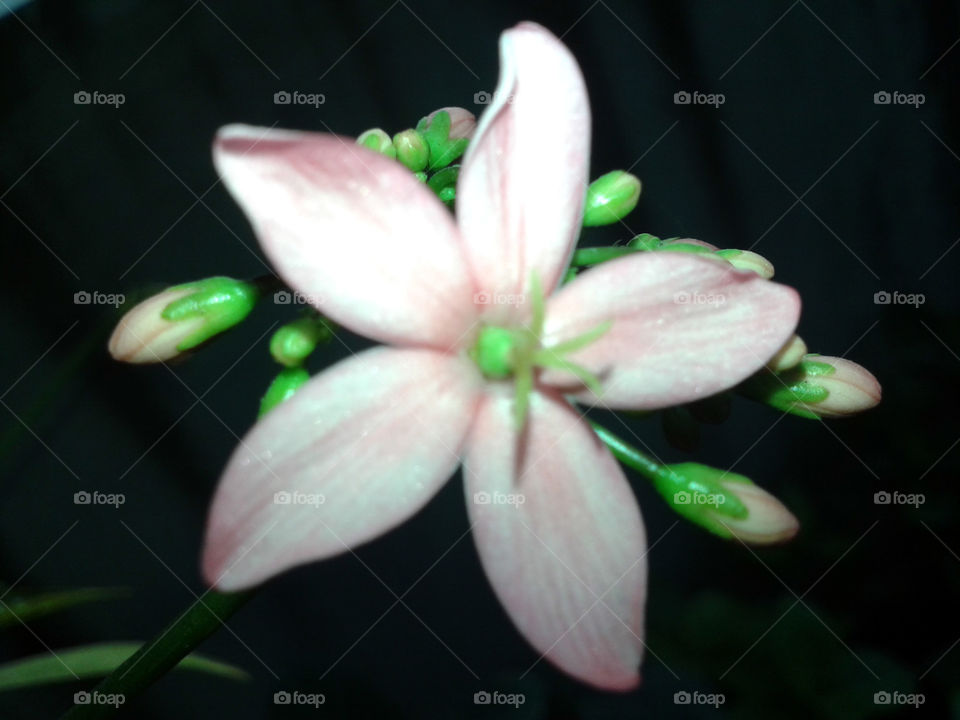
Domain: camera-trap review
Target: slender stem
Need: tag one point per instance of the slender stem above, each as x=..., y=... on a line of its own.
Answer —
x=157, y=657
x=596, y=255
x=629, y=455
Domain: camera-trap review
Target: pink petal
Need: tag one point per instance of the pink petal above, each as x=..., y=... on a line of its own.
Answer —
x=353, y=231
x=374, y=436
x=576, y=537
x=521, y=191
x=684, y=327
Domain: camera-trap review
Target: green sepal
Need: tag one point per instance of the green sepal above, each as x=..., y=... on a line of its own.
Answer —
x=283, y=388
x=221, y=301
x=645, y=241
x=412, y=150
x=789, y=391
x=694, y=483
x=443, y=149
x=685, y=247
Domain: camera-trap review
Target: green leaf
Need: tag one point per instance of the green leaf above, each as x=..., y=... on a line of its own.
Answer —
x=93, y=661
x=30, y=607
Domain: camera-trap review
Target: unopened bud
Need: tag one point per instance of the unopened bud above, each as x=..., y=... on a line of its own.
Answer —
x=611, y=198
x=180, y=318
x=688, y=245
x=447, y=132
x=412, y=150
x=746, y=260
x=725, y=503
x=282, y=388
x=293, y=343
x=851, y=388
x=818, y=386
x=790, y=355
x=378, y=141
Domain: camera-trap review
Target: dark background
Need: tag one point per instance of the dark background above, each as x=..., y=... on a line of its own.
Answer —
x=846, y=197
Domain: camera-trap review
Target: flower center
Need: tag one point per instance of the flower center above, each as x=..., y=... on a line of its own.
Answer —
x=501, y=353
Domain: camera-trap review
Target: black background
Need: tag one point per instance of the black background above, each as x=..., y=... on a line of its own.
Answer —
x=846, y=197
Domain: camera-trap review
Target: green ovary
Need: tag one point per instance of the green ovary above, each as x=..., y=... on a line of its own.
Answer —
x=501, y=353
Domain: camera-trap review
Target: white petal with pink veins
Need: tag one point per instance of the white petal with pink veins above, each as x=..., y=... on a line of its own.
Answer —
x=568, y=562
x=355, y=452
x=354, y=232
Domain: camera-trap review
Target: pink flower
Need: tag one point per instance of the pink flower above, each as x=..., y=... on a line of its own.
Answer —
x=368, y=442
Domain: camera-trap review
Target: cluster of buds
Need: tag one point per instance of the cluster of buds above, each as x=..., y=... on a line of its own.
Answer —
x=430, y=149
x=184, y=317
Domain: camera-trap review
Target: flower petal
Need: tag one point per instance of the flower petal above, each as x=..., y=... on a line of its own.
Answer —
x=353, y=231
x=568, y=563
x=683, y=327
x=522, y=187
x=355, y=452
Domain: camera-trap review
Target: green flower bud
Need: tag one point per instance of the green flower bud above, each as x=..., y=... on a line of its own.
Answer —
x=727, y=504
x=282, y=388
x=444, y=183
x=746, y=260
x=447, y=133
x=610, y=198
x=291, y=344
x=378, y=141
x=412, y=150
x=818, y=386
x=180, y=318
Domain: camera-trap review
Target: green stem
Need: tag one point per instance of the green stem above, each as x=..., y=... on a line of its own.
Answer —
x=157, y=657
x=629, y=455
x=596, y=255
